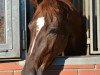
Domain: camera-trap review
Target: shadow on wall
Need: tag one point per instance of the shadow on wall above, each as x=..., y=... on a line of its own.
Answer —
x=56, y=67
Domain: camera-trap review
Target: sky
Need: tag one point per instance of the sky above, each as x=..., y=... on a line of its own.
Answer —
x=1, y=7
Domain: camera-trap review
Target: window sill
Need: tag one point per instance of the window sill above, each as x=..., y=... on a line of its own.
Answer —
x=77, y=60
x=73, y=60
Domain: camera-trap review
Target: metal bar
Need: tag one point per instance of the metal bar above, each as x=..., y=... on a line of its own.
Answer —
x=86, y=14
x=98, y=24
x=23, y=23
x=91, y=26
x=97, y=14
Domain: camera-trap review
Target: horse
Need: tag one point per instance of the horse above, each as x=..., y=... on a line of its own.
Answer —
x=56, y=27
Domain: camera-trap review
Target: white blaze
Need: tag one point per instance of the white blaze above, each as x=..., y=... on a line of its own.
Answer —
x=40, y=23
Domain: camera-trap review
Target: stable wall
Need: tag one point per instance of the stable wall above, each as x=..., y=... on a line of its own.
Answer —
x=14, y=68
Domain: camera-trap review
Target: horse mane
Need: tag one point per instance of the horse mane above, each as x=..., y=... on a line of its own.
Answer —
x=49, y=8
x=46, y=9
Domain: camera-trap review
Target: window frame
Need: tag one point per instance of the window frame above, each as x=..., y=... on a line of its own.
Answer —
x=98, y=26
x=13, y=53
x=77, y=60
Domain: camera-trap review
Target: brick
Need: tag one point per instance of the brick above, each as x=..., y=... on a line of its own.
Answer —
x=68, y=72
x=6, y=73
x=79, y=66
x=86, y=72
x=61, y=72
x=17, y=73
x=97, y=66
x=97, y=72
x=10, y=66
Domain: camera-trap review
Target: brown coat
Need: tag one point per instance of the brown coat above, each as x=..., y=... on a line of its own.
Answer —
x=63, y=27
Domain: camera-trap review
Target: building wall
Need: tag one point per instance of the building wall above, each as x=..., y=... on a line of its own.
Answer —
x=14, y=68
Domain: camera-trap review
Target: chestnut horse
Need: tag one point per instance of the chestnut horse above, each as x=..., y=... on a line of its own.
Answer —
x=56, y=26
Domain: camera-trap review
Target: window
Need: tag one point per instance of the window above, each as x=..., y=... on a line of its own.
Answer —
x=10, y=32
x=91, y=10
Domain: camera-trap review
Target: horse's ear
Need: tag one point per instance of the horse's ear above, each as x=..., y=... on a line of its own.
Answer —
x=39, y=1
x=36, y=2
x=69, y=0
